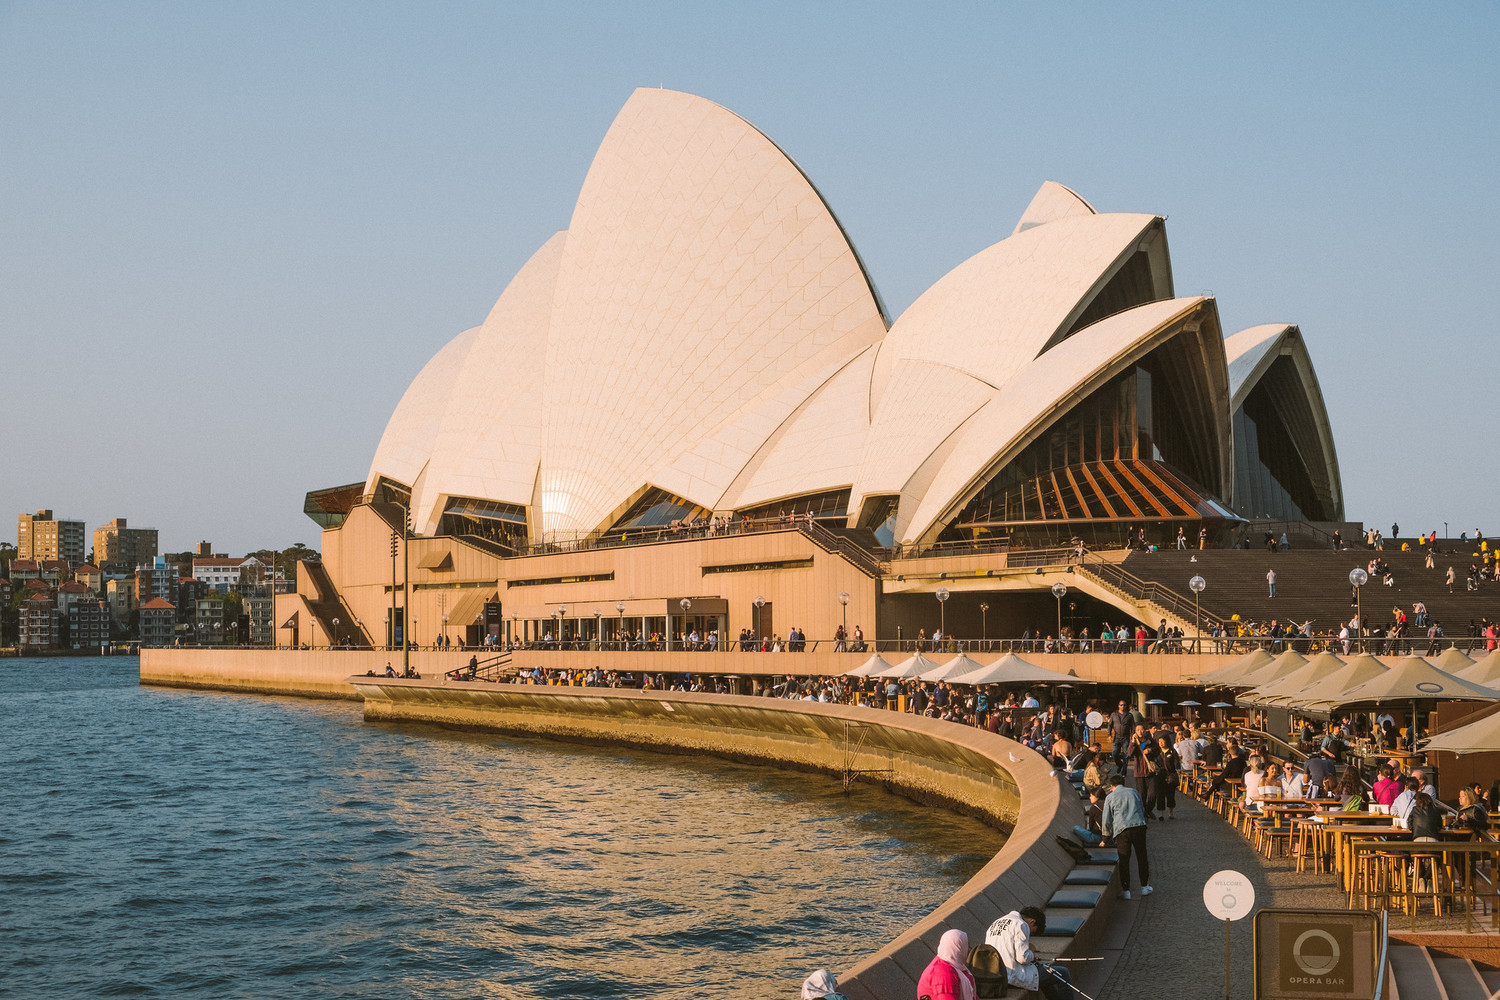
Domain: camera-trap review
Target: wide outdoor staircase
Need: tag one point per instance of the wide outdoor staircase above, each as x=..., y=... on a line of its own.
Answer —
x=1420, y=973
x=1153, y=600
x=1315, y=585
x=328, y=606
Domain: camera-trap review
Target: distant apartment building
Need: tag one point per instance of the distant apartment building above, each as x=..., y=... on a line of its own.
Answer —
x=115, y=544
x=41, y=536
x=120, y=595
x=52, y=572
x=90, y=576
x=223, y=574
x=156, y=579
x=37, y=618
x=71, y=593
x=158, y=622
x=210, y=626
x=259, y=611
x=88, y=624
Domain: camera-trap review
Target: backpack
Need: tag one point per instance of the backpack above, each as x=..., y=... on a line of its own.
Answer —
x=988, y=971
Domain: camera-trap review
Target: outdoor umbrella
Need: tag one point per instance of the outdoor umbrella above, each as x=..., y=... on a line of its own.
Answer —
x=1285, y=688
x=1278, y=668
x=916, y=666
x=1486, y=670
x=1011, y=669
x=1476, y=737
x=1451, y=661
x=1324, y=695
x=1230, y=675
x=960, y=664
x=1414, y=679
x=873, y=665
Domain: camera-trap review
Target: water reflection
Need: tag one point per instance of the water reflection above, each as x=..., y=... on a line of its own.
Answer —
x=209, y=845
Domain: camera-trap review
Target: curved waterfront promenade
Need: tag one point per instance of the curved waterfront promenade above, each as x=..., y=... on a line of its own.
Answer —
x=965, y=769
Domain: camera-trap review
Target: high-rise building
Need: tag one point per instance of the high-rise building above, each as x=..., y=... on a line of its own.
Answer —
x=119, y=545
x=41, y=536
x=155, y=579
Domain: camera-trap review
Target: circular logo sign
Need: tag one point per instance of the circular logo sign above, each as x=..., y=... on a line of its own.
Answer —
x=1228, y=895
x=1431, y=687
x=1315, y=952
x=1094, y=720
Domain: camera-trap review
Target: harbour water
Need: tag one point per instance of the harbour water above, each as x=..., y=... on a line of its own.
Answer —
x=188, y=844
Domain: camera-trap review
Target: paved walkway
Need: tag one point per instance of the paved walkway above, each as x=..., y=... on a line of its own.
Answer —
x=1167, y=944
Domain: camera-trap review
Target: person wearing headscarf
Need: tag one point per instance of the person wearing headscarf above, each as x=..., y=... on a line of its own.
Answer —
x=822, y=985
x=948, y=974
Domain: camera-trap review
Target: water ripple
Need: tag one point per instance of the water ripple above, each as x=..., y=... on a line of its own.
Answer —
x=204, y=845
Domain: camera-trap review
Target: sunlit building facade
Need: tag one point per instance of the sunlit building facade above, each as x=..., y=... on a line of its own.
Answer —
x=694, y=393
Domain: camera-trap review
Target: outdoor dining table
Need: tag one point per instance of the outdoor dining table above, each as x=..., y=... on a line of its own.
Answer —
x=1334, y=830
x=1460, y=852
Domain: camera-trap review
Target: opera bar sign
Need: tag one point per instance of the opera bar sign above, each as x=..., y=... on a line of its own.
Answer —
x=1315, y=954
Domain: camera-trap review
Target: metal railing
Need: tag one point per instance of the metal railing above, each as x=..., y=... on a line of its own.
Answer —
x=1127, y=583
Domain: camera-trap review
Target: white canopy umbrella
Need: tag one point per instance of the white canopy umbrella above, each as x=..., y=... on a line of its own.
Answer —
x=1279, y=667
x=1286, y=688
x=1011, y=669
x=1475, y=737
x=1230, y=675
x=873, y=665
x=916, y=666
x=1485, y=670
x=1324, y=695
x=960, y=664
x=1414, y=679
x=1451, y=661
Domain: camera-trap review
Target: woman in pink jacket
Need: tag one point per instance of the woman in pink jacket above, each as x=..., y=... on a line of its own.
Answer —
x=948, y=975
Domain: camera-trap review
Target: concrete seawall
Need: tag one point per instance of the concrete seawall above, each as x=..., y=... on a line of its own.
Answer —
x=968, y=770
x=324, y=673
x=309, y=673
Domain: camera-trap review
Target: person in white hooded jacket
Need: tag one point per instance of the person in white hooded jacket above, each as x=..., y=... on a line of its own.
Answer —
x=822, y=985
x=1011, y=937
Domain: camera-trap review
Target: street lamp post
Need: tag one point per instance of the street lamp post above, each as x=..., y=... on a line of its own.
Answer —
x=1357, y=579
x=760, y=602
x=562, y=624
x=335, y=641
x=598, y=634
x=684, y=604
x=445, y=631
x=984, y=624
x=942, y=595
x=390, y=634
x=620, y=626
x=844, y=629
x=387, y=623
x=1059, y=591
x=1196, y=585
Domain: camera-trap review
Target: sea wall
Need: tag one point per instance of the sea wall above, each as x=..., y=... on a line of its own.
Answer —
x=310, y=673
x=323, y=673
x=969, y=770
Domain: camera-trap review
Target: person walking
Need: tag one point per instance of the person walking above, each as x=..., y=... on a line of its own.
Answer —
x=1119, y=731
x=1124, y=822
x=1271, y=582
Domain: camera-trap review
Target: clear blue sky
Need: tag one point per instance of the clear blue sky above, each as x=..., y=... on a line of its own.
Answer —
x=230, y=234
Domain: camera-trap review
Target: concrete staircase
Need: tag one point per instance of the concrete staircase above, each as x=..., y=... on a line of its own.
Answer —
x=1313, y=584
x=1420, y=973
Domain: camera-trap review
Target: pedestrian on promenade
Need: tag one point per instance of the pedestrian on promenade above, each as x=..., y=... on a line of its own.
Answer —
x=1124, y=822
x=1271, y=582
x=1119, y=731
x=948, y=974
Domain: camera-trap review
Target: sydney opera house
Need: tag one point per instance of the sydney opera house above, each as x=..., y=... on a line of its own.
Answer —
x=691, y=410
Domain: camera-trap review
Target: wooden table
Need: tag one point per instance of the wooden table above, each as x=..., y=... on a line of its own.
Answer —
x=1467, y=852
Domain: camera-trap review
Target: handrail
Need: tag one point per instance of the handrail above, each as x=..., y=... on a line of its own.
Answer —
x=1111, y=574
x=1382, y=964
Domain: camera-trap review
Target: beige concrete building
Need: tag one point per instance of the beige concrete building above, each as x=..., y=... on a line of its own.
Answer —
x=690, y=412
x=41, y=536
x=118, y=545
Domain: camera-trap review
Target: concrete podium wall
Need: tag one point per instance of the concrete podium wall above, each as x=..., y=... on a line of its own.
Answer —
x=310, y=673
x=968, y=770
